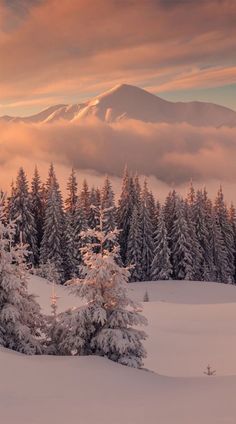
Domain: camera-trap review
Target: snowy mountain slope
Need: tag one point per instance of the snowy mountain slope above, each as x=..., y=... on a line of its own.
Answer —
x=129, y=102
x=185, y=334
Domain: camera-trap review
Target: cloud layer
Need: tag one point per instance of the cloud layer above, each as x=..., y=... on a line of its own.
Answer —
x=173, y=154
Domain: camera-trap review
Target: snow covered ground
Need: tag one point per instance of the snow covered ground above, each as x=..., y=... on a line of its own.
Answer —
x=190, y=325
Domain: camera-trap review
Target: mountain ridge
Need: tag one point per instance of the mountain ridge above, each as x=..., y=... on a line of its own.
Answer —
x=126, y=101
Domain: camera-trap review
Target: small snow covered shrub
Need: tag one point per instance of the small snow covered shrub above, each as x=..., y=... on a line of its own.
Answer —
x=146, y=296
x=107, y=324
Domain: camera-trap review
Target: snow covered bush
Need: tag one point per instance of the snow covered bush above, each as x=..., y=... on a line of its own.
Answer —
x=20, y=319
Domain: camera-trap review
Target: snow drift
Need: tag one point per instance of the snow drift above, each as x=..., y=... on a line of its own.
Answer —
x=190, y=324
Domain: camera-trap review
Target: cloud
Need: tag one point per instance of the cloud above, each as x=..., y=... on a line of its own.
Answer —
x=172, y=153
x=91, y=44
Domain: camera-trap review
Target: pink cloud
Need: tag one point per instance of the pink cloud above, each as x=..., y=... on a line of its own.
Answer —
x=91, y=44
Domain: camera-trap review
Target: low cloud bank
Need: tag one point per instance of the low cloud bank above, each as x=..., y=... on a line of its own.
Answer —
x=173, y=154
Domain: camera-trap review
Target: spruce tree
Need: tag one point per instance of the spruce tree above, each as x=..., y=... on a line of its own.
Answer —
x=72, y=197
x=108, y=206
x=161, y=266
x=20, y=211
x=147, y=230
x=203, y=234
x=191, y=223
x=53, y=245
x=107, y=324
x=220, y=254
x=232, y=219
x=84, y=197
x=124, y=212
x=21, y=323
x=170, y=216
x=134, y=252
x=37, y=207
x=80, y=225
x=226, y=231
x=182, y=260
x=94, y=205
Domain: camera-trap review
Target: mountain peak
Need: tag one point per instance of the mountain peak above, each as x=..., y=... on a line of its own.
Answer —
x=126, y=101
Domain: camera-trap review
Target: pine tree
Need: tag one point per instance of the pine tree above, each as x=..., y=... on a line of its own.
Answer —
x=53, y=243
x=161, y=266
x=20, y=211
x=108, y=206
x=134, y=252
x=72, y=188
x=170, y=216
x=84, y=197
x=182, y=260
x=21, y=323
x=220, y=254
x=124, y=213
x=232, y=219
x=191, y=223
x=94, y=205
x=80, y=225
x=111, y=315
x=147, y=230
x=203, y=234
x=37, y=207
x=226, y=231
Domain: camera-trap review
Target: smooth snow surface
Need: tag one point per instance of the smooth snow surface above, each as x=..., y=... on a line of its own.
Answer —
x=190, y=325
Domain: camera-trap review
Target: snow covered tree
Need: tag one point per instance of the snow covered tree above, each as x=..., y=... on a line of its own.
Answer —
x=134, y=251
x=203, y=234
x=106, y=325
x=191, y=196
x=94, y=205
x=20, y=320
x=147, y=230
x=108, y=206
x=53, y=243
x=146, y=297
x=84, y=197
x=232, y=219
x=191, y=223
x=220, y=254
x=79, y=224
x=182, y=260
x=72, y=189
x=161, y=266
x=170, y=216
x=226, y=231
x=152, y=208
x=124, y=212
x=37, y=207
x=20, y=211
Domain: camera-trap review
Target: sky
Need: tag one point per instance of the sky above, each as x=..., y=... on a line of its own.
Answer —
x=67, y=51
x=70, y=50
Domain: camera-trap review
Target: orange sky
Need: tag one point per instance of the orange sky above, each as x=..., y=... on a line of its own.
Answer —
x=60, y=51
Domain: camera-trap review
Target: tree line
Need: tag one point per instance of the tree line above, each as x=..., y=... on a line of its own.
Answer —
x=192, y=238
